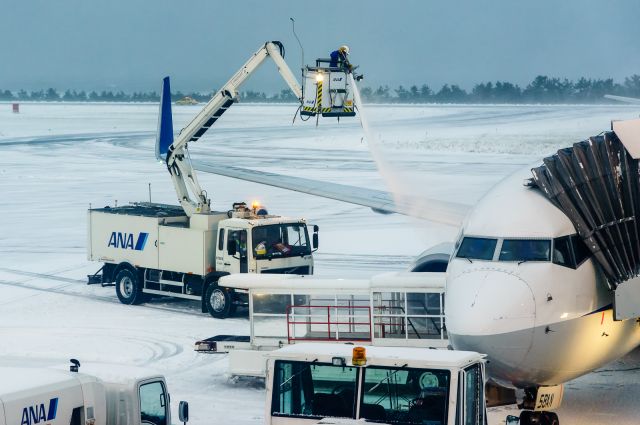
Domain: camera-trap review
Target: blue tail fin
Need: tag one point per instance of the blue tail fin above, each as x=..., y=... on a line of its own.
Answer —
x=164, y=138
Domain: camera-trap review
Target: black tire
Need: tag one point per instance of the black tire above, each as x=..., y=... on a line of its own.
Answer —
x=549, y=418
x=528, y=417
x=219, y=301
x=128, y=288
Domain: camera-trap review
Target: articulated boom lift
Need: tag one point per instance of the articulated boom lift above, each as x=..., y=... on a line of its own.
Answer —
x=177, y=154
x=182, y=251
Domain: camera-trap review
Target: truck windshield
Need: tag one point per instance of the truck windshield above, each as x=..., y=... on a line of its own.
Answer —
x=280, y=240
x=400, y=396
x=405, y=396
x=313, y=390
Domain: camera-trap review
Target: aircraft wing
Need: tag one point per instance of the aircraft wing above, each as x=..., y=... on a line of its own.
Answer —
x=632, y=100
x=449, y=213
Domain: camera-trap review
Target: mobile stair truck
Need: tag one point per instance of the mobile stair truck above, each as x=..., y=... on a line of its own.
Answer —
x=37, y=396
x=311, y=381
x=399, y=309
x=182, y=251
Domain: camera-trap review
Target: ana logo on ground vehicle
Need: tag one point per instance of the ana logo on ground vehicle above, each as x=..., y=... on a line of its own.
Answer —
x=35, y=414
x=125, y=240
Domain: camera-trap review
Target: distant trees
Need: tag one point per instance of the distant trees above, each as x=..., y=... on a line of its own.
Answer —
x=543, y=89
x=6, y=95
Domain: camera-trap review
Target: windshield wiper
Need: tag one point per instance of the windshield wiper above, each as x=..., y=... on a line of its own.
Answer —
x=299, y=372
x=387, y=378
x=526, y=260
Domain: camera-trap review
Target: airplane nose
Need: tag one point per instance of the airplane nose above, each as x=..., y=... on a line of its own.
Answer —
x=491, y=312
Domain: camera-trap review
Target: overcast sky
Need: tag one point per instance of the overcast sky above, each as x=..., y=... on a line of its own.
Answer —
x=131, y=44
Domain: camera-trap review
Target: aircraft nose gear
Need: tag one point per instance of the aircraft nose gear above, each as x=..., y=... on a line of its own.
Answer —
x=527, y=417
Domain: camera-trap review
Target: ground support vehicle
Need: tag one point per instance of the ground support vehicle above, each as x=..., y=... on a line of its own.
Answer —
x=392, y=309
x=311, y=381
x=156, y=249
x=30, y=396
x=182, y=252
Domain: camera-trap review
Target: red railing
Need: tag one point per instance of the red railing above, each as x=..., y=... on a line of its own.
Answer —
x=334, y=321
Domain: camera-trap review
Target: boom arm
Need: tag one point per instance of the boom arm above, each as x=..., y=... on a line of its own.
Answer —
x=177, y=159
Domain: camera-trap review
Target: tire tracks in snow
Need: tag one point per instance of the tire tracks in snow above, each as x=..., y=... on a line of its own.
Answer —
x=61, y=290
x=74, y=138
x=157, y=348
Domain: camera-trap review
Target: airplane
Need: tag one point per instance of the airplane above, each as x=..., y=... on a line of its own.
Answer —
x=523, y=284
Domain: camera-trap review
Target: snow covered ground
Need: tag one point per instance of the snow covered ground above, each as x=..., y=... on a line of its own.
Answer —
x=58, y=159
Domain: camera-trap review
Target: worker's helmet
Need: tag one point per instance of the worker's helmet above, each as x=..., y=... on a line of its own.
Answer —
x=261, y=249
x=344, y=49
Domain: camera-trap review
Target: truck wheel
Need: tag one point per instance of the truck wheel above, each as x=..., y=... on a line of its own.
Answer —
x=549, y=418
x=128, y=288
x=219, y=301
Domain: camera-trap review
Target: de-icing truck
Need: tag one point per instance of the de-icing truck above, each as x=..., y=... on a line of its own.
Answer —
x=38, y=396
x=182, y=251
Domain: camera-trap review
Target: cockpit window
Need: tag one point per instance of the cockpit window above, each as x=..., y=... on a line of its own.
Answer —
x=525, y=250
x=562, y=252
x=580, y=249
x=570, y=251
x=477, y=248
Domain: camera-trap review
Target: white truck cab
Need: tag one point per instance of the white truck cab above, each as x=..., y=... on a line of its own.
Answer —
x=268, y=244
x=156, y=249
x=30, y=396
x=308, y=382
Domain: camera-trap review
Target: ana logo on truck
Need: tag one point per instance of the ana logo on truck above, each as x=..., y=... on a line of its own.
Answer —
x=125, y=241
x=32, y=415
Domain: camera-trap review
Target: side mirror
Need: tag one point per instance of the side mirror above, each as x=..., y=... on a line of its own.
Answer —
x=315, y=228
x=232, y=248
x=314, y=241
x=512, y=420
x=183, y=411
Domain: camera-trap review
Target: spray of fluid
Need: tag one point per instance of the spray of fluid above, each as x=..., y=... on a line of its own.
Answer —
x=375, y=147
x=416, y=206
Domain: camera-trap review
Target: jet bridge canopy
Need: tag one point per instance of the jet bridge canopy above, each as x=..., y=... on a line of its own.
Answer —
x=596, y=184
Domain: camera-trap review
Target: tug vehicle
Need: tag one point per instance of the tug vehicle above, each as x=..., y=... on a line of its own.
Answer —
x=32, y=396
x=312, y=381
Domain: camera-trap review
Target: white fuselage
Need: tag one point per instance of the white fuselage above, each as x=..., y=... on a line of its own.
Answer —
x=539, y=322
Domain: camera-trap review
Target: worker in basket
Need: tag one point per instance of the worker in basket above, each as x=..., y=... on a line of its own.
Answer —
x=339, y=58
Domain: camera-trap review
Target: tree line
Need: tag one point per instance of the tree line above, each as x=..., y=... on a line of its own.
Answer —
x=542, y=89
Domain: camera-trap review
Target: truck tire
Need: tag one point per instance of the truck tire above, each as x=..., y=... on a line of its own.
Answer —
x=219, y=301
x=128, y=287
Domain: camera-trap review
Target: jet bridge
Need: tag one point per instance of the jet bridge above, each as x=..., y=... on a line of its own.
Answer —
x=596, y=183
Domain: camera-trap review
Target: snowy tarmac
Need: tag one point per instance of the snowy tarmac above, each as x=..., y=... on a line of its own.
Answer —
x=60, y=158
